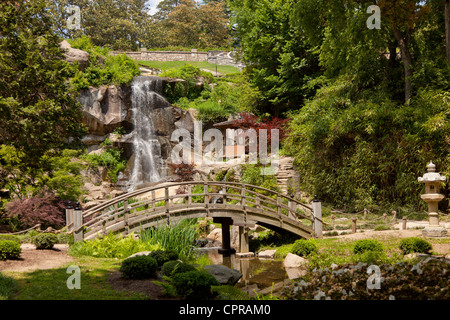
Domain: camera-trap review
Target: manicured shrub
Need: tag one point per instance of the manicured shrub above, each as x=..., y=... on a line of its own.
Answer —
x=139, y=267
x=194, y=285
x=414, y=244
x=304, y=248
x=9, y=249
x=162, y=256
x=45, y=240
x=9, y=237
x=365, y=245
x=170, y=268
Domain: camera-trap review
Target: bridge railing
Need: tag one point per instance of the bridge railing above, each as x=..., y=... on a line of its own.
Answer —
x=126, y=213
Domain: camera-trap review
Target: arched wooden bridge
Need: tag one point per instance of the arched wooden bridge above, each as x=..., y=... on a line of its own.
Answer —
x=226, y=202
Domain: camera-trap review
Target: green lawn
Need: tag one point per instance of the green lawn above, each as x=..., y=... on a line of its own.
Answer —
x=52, y=284
x=164, y=65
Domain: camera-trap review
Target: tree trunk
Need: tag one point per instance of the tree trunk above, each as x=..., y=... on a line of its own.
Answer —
x=447, y=28
x=407, y=62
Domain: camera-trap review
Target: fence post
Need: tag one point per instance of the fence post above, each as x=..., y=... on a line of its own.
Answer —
x=189, y=191
x=354, y=225
x=405, y=219
x=69, y=217
x=317, y=212
x=166, y=200
x=332, y=220
x=292, y=208
x=77, y=223
x=125, y=216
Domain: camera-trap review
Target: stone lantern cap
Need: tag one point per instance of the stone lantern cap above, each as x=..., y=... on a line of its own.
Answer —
x=431, y=175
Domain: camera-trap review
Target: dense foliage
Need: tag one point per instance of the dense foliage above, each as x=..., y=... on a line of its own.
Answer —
x=170, y=268
x=111, y=246
x=194, y=285
x=424, y=280
x=45, y=240
x=128, y=25
x=9, y=249
x=103, y=68
x=48, y=211
x=139, y=267
x=414, y=244
x=39, y=112
x=304, y=248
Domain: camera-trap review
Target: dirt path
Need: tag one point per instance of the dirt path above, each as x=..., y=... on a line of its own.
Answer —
x=31, y=259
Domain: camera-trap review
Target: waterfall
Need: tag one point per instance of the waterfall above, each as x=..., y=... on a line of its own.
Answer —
x=146, y=96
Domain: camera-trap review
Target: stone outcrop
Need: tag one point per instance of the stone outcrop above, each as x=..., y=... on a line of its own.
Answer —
x=75, y=55
x=106, y=108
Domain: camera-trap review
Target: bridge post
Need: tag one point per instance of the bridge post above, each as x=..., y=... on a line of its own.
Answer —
x=69, y=217
x=317, y=211
x=77, y=223
x=125, y=216
x=226, y=239
x=243, y=240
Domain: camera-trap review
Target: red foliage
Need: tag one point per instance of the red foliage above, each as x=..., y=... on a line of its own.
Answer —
x=183, y=171
x=47, y=211
x=250, y=121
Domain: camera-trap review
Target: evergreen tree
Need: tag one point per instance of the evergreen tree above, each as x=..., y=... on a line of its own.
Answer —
x=38, y=110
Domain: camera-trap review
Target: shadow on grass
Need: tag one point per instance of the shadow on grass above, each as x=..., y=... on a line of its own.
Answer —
x=52, y=285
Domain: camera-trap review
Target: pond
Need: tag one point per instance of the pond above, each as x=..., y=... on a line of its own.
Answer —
x=259, y=276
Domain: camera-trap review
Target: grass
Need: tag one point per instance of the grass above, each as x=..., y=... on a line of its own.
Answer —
x=340, y=251
x=165, y=65
x=52, y=284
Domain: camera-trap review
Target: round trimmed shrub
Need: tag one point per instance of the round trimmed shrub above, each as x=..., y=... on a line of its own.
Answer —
x=170, y=268
x=139, y=267
x=304, y=248
x=414, y=244
x=162, y=256
x=9, y=237
x=45, y=240
x=362, y=246
x=9, y=249
x=194, y=285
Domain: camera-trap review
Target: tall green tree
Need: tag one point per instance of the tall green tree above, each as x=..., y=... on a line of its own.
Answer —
x=118, y=25
x=39, y=112
x=279, y=61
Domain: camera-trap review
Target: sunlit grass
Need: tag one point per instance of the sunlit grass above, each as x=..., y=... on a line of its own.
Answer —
x=52, y=284
x=165, y=65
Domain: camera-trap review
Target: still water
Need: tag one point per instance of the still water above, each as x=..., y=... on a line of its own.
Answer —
x=259, y=276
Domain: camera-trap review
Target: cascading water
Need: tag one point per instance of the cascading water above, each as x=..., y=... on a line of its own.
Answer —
x=146, y=96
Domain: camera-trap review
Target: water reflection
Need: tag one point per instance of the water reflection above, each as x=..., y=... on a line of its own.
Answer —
x=261, y=276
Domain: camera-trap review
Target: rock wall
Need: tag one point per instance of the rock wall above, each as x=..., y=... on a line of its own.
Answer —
x=165, y=55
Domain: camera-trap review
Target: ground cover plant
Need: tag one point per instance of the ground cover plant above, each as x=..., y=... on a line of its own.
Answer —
x=401, y=281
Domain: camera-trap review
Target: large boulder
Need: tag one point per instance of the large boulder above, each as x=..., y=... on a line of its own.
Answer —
x=106, y=108
x=75, y=55
x=223, y=274
x=294, y=261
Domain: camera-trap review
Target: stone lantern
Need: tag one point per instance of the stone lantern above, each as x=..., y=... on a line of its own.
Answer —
x=432, y=179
